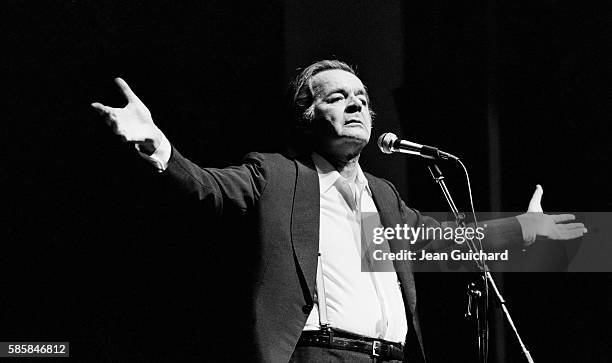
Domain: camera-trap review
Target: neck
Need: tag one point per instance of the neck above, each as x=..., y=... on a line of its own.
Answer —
x=345, y=165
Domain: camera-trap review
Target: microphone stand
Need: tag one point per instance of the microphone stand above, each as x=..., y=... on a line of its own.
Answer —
x=487, y=280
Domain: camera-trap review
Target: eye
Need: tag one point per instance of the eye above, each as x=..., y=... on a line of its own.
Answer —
x=335, y=98
x=364, y=101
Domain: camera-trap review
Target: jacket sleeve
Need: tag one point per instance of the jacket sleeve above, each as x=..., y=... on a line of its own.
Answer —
x=238, y=187
x=498, y=233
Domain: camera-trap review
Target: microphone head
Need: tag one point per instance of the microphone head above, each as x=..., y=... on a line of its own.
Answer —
x=385, y=142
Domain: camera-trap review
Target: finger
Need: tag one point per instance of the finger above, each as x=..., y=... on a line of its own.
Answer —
x=102, y=110
x=572, y=225
x=126, y=90
x=563, y=217
x=107, y=113
x=571, y=234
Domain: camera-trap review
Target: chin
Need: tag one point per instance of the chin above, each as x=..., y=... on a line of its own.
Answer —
x=357, y=139
x=348, y=143
x=351, y=145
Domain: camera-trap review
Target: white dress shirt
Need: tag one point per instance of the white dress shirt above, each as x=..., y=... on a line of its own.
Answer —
x=364, y=303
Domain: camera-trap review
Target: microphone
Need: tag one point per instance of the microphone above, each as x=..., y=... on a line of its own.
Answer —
x=389, y=143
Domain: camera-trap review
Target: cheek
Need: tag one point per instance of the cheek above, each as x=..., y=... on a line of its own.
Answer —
x=368, y=117
x=330, y=114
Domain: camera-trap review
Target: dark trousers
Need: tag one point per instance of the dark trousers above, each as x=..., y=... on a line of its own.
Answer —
x=304, y=354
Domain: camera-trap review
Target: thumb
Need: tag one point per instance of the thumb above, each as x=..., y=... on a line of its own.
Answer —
x=536, y=199
x=126, y=90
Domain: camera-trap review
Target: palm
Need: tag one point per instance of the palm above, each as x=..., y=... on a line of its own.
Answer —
x=551, y=226
x=132, y=123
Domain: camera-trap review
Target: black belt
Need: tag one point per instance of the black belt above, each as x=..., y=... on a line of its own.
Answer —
x=339, y=340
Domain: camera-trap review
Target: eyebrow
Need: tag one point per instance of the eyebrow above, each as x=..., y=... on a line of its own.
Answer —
x=360, y=91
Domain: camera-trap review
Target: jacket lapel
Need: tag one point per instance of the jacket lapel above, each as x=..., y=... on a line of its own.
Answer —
x=388, y=209
x=305, y=220
x=390, y=217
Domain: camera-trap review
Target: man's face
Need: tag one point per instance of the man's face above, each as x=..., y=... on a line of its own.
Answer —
x=342, y=121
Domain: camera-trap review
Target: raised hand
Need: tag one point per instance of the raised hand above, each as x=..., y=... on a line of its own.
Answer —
x=549, y=226
x=133, y=123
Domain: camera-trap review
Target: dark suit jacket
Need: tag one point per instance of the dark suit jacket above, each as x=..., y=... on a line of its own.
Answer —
x=273, y=204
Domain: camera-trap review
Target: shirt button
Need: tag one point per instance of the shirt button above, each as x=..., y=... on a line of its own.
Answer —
x=307, y=308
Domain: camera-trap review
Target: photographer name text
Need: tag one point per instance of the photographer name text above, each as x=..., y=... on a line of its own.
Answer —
x=455, y=255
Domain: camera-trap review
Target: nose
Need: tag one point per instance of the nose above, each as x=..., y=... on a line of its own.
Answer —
x=353, y=105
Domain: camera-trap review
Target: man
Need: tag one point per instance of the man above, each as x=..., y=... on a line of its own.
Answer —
x=307, y=299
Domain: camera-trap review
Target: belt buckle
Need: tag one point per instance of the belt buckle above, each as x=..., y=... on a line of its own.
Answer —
x=375, y=345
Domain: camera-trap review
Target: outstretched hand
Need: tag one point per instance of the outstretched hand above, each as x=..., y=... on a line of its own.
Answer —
x=549, y=226
x=133, y=123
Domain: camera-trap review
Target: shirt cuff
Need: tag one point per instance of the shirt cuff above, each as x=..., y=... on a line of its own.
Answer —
x=160, y=157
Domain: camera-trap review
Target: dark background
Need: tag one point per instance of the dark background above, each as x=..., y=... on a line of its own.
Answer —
x=98, y=254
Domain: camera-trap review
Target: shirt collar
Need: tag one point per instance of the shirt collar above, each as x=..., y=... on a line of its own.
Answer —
x=328, y=175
